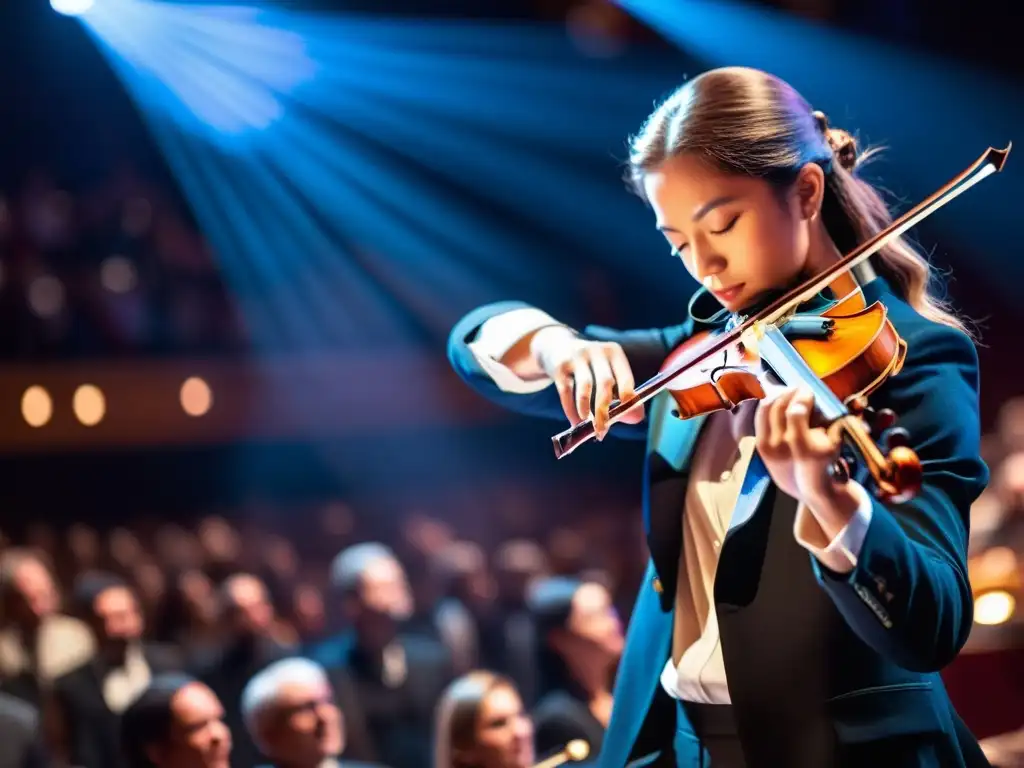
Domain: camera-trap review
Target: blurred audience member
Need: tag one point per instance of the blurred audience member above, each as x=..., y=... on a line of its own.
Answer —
x=467, y=616
x=90, y=699
x=579, y=642
x=387, y=681
x=246, y=620
x=20, y=736
x=177, y=722
x=290, y=713
x=482, y=723
x=1005, y=750
x=37, y=643
x=517, y=564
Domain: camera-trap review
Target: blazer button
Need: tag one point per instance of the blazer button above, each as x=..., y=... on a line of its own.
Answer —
x=657, y=586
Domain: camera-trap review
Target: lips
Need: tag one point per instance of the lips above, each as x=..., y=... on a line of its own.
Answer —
x=727, y=295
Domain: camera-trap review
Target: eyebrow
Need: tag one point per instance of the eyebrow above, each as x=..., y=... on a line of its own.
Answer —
x=703, y=211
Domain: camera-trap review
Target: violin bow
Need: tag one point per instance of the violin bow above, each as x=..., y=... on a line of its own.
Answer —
x=990, y=162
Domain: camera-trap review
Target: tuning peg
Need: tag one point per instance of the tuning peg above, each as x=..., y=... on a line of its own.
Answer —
x=895, y=437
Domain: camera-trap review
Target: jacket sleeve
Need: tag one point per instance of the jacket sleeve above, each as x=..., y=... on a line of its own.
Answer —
x=646, y=350
x=908, y=595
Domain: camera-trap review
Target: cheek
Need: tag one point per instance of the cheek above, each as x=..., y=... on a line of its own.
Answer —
x=775, y=247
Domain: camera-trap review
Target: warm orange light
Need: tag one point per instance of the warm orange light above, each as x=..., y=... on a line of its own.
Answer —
x=196, y=396
x=36, y=406
x=89, y=405
x=992, y=608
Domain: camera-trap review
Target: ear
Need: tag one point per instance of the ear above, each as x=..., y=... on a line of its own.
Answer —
x=810, y=190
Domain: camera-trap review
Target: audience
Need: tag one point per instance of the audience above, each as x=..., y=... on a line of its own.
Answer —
x=388, y=681
x=482, y=723
x=177, y=722
x=91, y=698
x=290, y=713
x=22, y=744
x=579, y=640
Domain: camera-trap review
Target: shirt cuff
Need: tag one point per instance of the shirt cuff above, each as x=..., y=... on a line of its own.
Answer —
x=840, y=554
x=497, y=336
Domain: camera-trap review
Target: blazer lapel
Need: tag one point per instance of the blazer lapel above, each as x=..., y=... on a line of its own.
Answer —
x=755, y=483
x=670, y=446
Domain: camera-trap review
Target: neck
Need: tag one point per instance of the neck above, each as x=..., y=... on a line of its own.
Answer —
x=823, y=253
x=591, y=679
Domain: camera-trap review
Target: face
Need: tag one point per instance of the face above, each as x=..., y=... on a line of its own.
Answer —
x=736, y=235
x=595, y=621
x=118, y=618
x=305, y=725
x=251, y=612
x=199, y=738
x=35, y=594
x=504, y=732
x=385, y=599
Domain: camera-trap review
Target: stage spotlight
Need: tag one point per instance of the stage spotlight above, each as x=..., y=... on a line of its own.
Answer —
x=71, y=7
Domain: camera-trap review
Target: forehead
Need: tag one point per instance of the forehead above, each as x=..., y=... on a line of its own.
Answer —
x=195, y=704
x=682, y=184
x=590, y=598
x=246, y=589
x=502, y=701
x=382, y=569
x=31, y=570
x=114, y=598
x=298, y=692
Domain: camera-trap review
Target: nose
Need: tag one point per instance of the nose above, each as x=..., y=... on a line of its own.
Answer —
x=706, y=261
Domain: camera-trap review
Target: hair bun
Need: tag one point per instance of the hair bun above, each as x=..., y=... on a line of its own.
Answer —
x=843, y=145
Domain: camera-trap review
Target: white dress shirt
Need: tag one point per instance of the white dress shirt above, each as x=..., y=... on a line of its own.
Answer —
x=696, y=670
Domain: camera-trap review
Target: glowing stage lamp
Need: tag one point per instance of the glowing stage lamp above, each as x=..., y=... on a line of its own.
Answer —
x=995, y=577
x=71, y=7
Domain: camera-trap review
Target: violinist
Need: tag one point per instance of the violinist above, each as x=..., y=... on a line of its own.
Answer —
x=789, y=616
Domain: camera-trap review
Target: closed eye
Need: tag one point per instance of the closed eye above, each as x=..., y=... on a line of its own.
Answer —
x=678, y=250
x=727, y=227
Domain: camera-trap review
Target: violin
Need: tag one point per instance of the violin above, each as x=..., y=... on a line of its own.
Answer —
x=841, y=355
x=573, y=752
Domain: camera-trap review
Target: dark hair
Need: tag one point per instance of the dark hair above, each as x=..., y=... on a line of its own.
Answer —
x=88, y=587
x=147, y=721
x=745, y=121
x=550, y=605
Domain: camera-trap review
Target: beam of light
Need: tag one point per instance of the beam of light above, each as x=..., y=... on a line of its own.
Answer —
x=409, y=172
x=933, y=116
x=431, y=171
x=71, y=7
x=216, y=71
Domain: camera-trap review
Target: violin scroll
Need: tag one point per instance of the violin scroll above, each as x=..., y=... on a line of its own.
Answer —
x=896, y=473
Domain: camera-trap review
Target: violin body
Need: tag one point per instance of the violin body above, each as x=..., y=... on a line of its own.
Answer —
x=860, y=351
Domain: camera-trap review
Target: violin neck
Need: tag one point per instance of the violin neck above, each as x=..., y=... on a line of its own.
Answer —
x=791, y=370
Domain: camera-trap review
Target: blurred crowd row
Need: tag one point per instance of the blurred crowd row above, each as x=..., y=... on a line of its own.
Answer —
x=224, y=597
x=115, y=269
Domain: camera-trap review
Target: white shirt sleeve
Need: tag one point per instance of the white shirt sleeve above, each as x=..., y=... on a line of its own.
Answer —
x=844, y=550
x=497, y=336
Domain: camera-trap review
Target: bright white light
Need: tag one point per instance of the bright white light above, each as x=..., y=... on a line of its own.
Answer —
x=71, y=7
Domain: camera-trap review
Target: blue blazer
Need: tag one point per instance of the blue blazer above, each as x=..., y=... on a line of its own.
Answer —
x=824, y=669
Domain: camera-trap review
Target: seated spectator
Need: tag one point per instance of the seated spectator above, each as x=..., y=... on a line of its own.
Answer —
x=177, y=722
x=290, y=714
x=482, y=723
